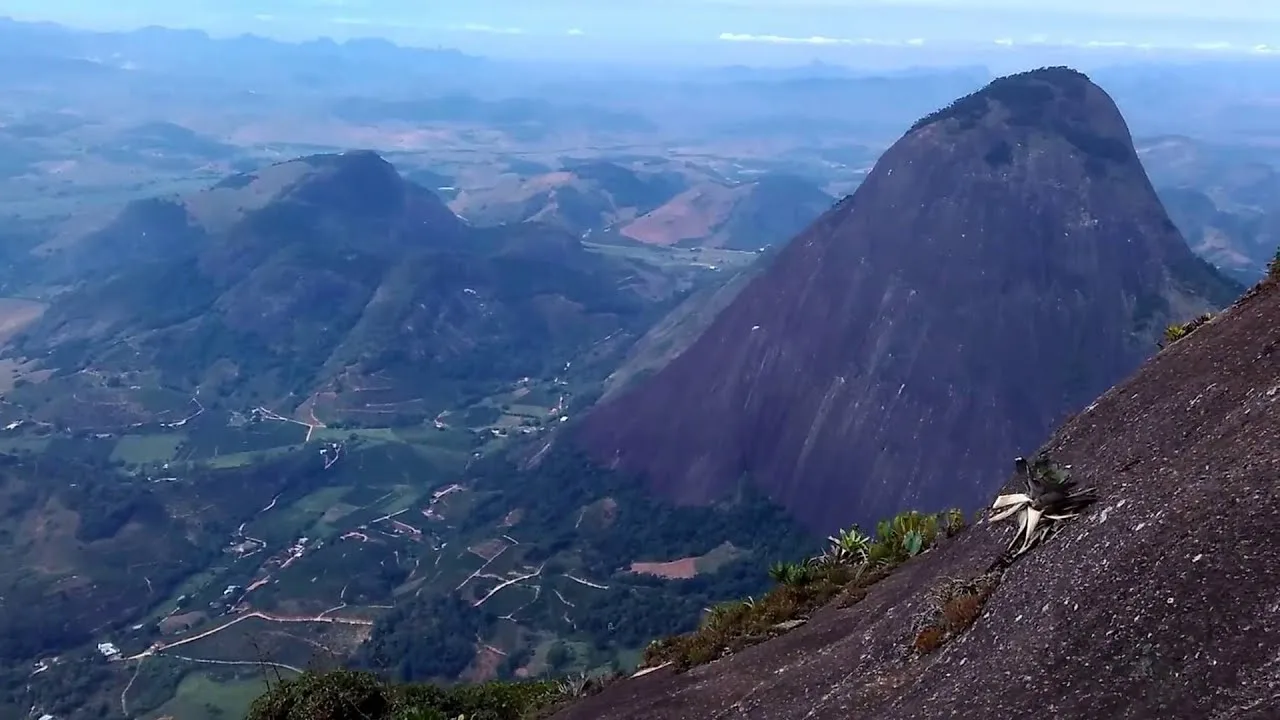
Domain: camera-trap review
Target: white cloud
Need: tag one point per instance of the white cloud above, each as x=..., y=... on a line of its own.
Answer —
x=574, y=31
x=482, y=28
x=1115, y=44
x=264, y=17
x=811, y=40
x=351, y=21
x=1218, y=10
x=783, y=40
x=1141, y=46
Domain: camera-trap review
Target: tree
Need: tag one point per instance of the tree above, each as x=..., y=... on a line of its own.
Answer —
x=559, y=656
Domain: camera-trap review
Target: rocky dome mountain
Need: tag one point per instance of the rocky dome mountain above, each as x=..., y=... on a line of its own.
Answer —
x=328, y=278
x=1004, y=262
x=1159, y=602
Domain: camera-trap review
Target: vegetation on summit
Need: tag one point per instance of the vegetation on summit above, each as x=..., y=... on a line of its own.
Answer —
x=1029, y=99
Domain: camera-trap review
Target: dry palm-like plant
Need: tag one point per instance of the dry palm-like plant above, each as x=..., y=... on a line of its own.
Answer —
x=574, y=686
x=1050, y=497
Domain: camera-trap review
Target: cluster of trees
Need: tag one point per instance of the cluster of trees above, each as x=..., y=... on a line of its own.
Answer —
x=635, y=608
x=346, y=695
x=70, y=687
x=105, y=507
x=552, y=495
x=428, y=637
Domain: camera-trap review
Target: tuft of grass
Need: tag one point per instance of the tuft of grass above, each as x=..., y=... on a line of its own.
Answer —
x=1273, y=267
x=851, y=565
x=963, y=611
x=955, y=606
x=929, y=639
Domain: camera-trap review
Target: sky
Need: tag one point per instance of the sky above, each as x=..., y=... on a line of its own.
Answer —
x=820, y=29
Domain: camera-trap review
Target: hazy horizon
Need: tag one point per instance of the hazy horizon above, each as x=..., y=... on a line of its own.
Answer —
x=762, y=32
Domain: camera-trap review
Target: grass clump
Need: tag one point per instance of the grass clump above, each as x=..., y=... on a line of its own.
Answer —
x=353, y=695
x=1273, y=267
x=954, y=607
x=852, y=563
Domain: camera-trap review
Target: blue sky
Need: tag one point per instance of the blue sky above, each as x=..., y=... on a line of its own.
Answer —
x=549, y=27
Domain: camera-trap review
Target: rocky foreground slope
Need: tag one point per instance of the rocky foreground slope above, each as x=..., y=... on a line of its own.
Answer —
x=1005, y=262
x=1161, y=601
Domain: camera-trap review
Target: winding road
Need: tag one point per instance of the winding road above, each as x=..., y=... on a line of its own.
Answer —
x=160, y=648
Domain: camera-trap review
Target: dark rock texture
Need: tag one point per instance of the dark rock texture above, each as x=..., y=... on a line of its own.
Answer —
x=1161, y=602
x=1005, y=262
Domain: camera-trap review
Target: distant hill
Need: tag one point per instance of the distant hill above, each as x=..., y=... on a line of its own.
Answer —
x=1224, y=199
x=327, y=282
x=744, y=217
x=1004, y=262
x=606, y=200
x=1240, y=240
x=580, y=198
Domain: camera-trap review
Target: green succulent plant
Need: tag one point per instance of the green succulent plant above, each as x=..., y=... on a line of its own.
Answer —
x=785, y=573
x=913, y=542
x=848, y=547
x=1050, y=497
x=1177, y=331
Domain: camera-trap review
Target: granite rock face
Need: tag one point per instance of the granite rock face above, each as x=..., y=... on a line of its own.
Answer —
x=1005, y=262
x=1160, y=602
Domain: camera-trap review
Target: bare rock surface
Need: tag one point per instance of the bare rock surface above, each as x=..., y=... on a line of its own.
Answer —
x=1161, y=602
